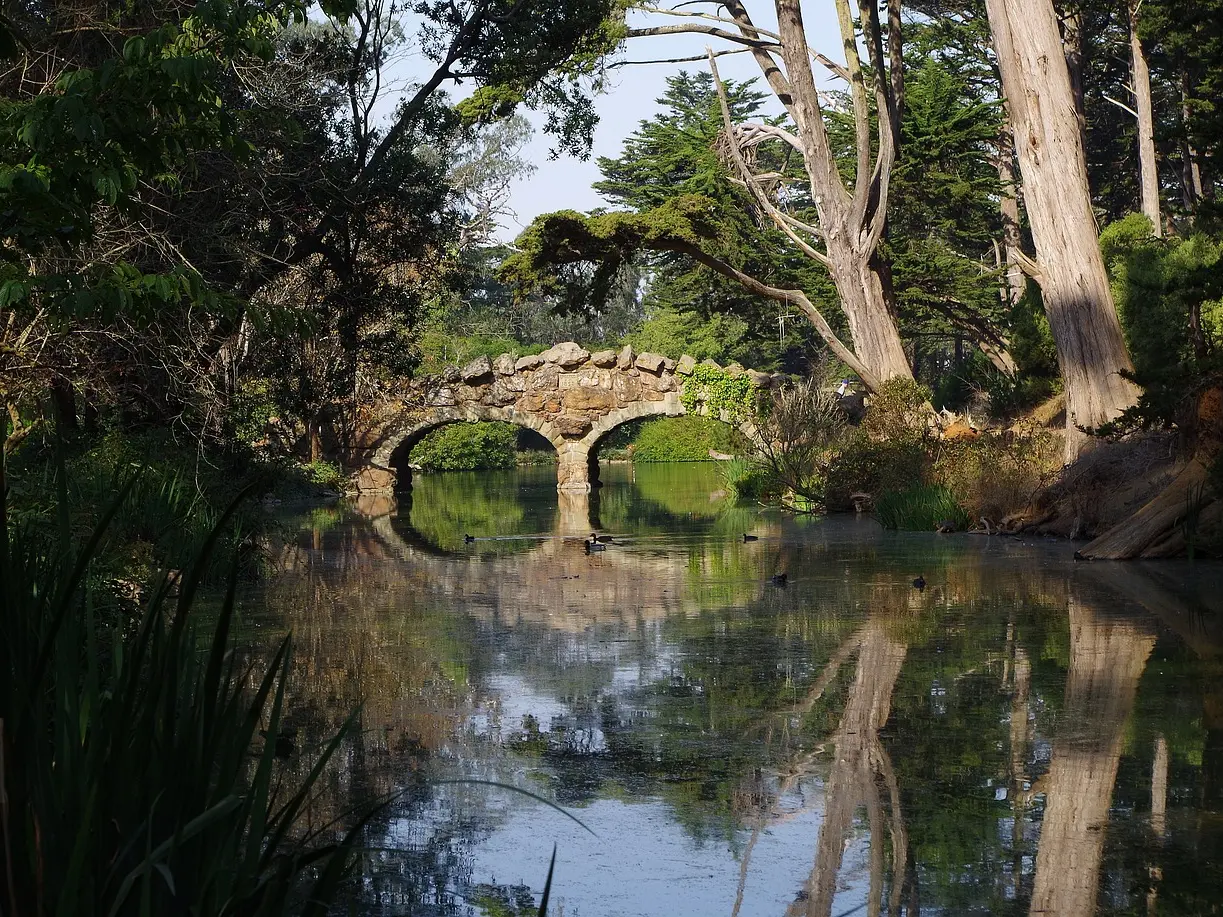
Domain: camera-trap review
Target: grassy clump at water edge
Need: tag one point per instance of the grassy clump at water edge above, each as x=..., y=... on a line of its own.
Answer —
x=921, y=508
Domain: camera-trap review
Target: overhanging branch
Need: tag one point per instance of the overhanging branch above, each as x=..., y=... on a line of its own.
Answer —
x=793, y=297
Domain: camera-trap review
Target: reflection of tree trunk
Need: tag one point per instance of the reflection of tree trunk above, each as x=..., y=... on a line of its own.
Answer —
x=858, y=760
x=1159, y=808
x=1159, y=786
x=1019, y=758
x=1106, y=661
x=1212, y=752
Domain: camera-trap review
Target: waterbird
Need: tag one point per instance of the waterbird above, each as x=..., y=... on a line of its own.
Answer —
x=468, y=539
x=606, y=539
x=747, y=537
x=778, y=579
x=920, y=583
x=593, y=546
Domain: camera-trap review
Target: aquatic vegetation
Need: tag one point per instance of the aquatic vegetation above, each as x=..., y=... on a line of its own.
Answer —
x=147, y=771
x=920, y=509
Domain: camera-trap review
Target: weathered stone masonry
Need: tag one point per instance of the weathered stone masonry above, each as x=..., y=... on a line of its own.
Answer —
x=573, y=398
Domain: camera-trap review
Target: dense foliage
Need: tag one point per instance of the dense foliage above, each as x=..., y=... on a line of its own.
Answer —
x=467, y=447
x=684, y=439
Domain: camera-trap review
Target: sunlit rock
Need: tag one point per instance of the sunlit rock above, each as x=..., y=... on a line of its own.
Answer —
x=567, y=354
x=759, y=379
x=604, y=358
x=650, y=362
x=477, y=369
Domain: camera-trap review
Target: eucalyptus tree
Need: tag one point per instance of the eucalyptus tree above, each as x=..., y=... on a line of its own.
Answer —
x=1036, y=80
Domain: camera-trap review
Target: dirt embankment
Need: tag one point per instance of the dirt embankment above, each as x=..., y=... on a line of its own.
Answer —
x=1148, y=495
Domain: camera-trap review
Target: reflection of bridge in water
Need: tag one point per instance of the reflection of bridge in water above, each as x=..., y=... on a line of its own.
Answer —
x=569, y=396
x=553, y=581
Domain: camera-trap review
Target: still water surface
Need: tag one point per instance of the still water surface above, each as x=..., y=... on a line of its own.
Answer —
x=1026, y=735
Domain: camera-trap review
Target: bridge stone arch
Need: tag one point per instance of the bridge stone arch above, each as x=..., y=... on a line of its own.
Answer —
x=418, y=425
x=571, y=397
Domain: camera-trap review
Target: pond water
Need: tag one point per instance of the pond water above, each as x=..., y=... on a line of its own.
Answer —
x=1025, y=735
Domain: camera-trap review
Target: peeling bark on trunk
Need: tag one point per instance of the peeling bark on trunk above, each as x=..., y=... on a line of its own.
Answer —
x=1155, y=530
x=869, y=303
x=1072, y=50
x=1090, y=347
x=1148, y=172
x=1106, y=660
x=1165, y=525
x=1008, y=204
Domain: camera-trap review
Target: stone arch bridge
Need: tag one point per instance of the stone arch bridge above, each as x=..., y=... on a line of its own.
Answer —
x=571, y=397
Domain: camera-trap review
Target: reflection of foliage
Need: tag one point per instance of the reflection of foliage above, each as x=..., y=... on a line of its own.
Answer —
x=131, y=746
x=445, y=507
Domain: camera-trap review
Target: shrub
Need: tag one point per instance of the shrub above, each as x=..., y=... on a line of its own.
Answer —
x=748, y=479
x=996, y=475
x=799, y=434
x=324, y=474
x=875, y=467
x=719, y=391
x=684, y=439
x=175, y=500
x=920, y=509
x=899, y=411
x=467, y=447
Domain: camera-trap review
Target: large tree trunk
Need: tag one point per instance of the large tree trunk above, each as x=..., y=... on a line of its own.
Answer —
x=1090, y=346
x=1106, y=661
x=867, y=298
x=1148, y=172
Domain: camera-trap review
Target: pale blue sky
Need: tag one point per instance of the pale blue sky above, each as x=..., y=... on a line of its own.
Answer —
x=565, y=183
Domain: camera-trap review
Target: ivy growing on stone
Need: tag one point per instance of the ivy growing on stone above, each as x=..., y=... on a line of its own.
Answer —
x=720, y=390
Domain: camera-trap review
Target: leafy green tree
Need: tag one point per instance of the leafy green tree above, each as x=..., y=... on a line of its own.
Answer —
x=693, y=230
x=945, y=218
x=678, y=153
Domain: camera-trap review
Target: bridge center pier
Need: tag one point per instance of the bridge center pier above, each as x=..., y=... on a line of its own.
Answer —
x=573, y=468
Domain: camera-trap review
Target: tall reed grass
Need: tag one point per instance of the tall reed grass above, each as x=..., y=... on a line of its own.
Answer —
x=138, y=768
x=920, y=509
